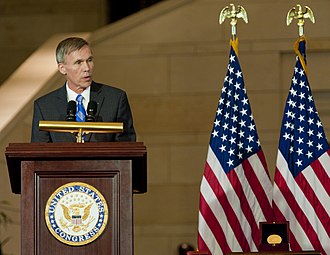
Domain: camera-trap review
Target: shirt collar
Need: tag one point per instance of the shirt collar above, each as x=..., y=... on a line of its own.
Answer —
x=72, y=95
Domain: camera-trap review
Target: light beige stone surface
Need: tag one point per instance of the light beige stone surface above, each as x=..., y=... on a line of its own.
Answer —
x=167, y=204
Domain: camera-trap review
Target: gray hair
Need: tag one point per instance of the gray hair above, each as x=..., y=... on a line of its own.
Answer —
x=67, y=46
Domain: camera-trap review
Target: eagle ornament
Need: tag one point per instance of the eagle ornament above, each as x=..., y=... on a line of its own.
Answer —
x=233, y=14
x=300, y=14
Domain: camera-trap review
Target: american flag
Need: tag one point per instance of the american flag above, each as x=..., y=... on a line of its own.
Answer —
x=301, y=183
x=235, y=192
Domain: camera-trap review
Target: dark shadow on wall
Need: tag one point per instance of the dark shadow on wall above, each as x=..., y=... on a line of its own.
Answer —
x=119, y=9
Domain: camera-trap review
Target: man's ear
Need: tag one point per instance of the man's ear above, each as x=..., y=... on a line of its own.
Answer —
x=61, y=68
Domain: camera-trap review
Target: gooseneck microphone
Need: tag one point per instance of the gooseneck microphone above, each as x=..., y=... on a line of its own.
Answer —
x=71, y=111
x=91, y=111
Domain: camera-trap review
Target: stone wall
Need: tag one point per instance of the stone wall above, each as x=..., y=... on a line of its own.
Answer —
x=26, y=24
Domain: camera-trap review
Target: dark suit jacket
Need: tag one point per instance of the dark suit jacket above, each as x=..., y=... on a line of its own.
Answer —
x=112, y=106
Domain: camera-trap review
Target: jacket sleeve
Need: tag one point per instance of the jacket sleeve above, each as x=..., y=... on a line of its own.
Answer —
x=125, y=115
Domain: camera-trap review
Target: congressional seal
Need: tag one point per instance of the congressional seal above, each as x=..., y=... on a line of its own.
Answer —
x=76, y=213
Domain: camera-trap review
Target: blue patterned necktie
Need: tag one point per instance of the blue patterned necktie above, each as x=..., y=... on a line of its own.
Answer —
x=81, y=113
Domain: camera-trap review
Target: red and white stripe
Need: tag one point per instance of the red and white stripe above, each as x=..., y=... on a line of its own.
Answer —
x=304, y=202
x=233, y=204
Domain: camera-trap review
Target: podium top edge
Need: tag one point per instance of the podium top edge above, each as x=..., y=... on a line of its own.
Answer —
x=136, y=152
x=77, y=149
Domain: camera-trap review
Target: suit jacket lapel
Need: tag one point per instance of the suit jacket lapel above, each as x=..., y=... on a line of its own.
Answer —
x=96, y=94
x=62, y=104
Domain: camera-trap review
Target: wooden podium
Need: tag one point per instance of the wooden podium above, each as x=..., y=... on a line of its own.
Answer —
x=38, y=170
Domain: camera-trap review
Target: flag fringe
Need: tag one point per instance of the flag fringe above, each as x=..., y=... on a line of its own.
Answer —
x=234, y=45
x=301, y=58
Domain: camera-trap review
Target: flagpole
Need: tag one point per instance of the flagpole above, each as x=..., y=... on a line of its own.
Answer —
x=299, y=14
x=301, y=182
x=235, y=191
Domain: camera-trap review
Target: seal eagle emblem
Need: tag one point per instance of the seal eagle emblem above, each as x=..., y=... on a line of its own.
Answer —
x=76, y=213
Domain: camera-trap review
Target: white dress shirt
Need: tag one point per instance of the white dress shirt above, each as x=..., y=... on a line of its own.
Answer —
x=73, y=95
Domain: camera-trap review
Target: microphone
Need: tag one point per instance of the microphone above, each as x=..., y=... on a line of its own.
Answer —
x=91, y=111
x=71, y=111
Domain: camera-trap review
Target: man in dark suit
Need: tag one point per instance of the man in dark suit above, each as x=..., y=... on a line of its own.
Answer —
x=75, y=60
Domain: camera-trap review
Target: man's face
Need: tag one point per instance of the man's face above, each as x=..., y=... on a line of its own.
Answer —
x=78, y=68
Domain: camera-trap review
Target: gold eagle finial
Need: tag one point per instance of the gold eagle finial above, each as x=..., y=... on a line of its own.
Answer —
x=233, y=14
x=300, y=14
